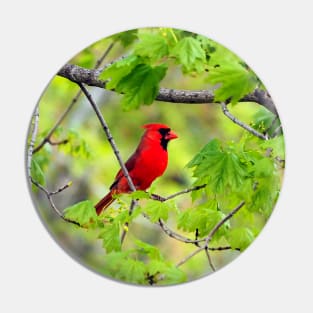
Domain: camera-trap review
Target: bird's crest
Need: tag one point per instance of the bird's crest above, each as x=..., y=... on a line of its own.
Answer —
x=154, y=126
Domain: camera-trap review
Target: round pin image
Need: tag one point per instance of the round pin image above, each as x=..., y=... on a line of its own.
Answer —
x=155, y=156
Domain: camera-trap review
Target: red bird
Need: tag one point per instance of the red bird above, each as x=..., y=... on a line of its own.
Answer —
x=147, y=163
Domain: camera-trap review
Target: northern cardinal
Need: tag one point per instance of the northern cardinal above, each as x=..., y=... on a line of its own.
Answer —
x=148, y=162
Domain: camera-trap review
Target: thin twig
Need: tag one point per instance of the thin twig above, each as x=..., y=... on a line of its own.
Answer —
x=277, y=131
x=47, y=138
x=271, y=125
x=241, y=124
x=49, y=195
x=34, y=132
x=175, y=235
x=116, y=152
x=188, y=257
x=209, y=258
x=109, y=137
x=163, y=199
x=104, y=55
x=210, y=236
x=222, y=222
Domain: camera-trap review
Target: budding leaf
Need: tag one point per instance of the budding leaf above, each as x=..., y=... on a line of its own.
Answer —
x=132, y=271
x=240, y=238
x=110, y=236
x=37, y=173
x=158, y=210
x=152, y=46
x=147, y=249
x=82, y=212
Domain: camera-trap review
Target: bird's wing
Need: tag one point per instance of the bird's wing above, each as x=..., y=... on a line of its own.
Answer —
x=130, y=164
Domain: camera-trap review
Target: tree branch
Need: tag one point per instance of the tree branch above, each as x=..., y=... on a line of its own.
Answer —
x=34, y=132
x=222, y=222
x=109, y=136
x=49, y=195
x=241, y=124
x=209, y=237
x=175, y=235
x=89, y=77
x=115, y=150
x=47, y=138
x=162, y=199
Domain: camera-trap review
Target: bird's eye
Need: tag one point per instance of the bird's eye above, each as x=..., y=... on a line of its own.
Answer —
x=164, y=131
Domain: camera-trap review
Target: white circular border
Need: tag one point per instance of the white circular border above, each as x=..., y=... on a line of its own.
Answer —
x=273, y=38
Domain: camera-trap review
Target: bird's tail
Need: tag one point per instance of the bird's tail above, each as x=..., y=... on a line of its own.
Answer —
x=104, y=202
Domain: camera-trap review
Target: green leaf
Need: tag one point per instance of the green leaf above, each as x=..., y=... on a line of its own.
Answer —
x=141, y=85
x=110, y=236
x=169, y=272
x=75, y=144
x=81, y=212
x=37, y=173
x=207, y=45
x=219, y=168
x=264, y=195
x=140, y=194
x=190, y=55
x=173, y=275
x=240, y=238
x=156, y=267
x=158, y=210
x=149, y=250
x=235, y=81
x=152, y=46
x=203, y=218
x=211, y=147
x=118, y=70
x=126, y=38
x=277, y=145
x=264, y=119
x=264, y=168
x=132, y=271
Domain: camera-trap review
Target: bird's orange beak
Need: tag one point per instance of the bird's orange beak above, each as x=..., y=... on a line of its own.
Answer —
x=171, y=135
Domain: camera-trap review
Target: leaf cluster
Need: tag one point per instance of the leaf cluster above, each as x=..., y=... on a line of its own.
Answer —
x=142, y=264
x=234, y=172
x=155, y=50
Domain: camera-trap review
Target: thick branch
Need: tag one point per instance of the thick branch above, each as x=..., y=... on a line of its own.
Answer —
x=91, y=77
